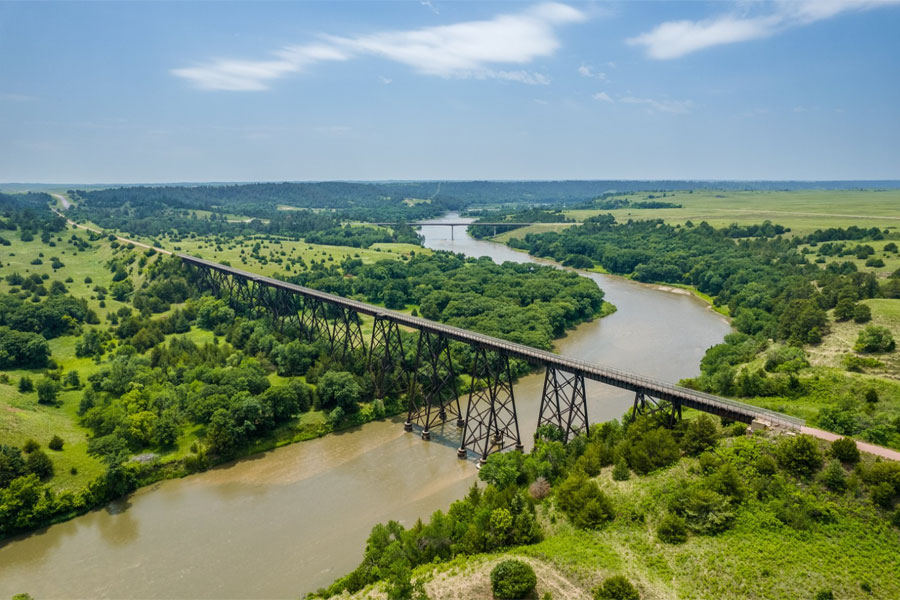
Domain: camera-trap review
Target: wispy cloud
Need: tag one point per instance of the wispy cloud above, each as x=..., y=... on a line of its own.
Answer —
x=603, y=97
x=431, y=6
x=467, y=50
x=668, y=106
x=588, y=71
x=9, y=97
x=674, y=39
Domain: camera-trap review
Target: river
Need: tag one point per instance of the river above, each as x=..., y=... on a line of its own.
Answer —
x=289, y=521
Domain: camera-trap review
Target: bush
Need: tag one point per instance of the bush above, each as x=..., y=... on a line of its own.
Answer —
x=25, y=384
x=701, y=434
x=704, y=511
x=672, y=529
x=874, y=338
x=799, y=455
x=30, y=446
x=834, y=478
x=582, y=501
x=616, y=588
x=862, y=313
x=883, y=495
x=651, y=450
x=825, y=595
x=540, y=489
x=512, y=579
x=845, y=450
x=39, y=464
x=621, y=472
x=47, y=390
x=56, y=443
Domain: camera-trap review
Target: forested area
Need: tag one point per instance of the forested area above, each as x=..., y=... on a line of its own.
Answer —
x=151, y=385
x=773, y=294
x=645, y=491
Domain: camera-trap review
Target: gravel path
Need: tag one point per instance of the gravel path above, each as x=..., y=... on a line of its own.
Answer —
x=863, y=446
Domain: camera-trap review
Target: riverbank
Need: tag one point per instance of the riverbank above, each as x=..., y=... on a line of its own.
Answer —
x=316, y=501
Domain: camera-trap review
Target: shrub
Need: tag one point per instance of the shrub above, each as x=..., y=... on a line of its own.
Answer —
x=862, y=313
x=672, y=529
x=47, y=390
x=799, y=455
x=583, y=502
x=825, y=595
x=874, y=338
x=621, y=472
x=616, y=588
x=651, y=450
x=704, y=511
x=883, y=495
x=56, y=443
x=30, y=446
x=512, y=579
x=540, y=489
x=701, y=433
x=25, y=384
x=39, y=464
x=871, y=395
x=845, y=450
x=833, y=477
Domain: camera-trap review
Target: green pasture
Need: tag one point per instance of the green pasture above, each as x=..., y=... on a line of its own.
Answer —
x=802, y=211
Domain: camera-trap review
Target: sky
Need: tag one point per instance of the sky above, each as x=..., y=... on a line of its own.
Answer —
x=131, y=92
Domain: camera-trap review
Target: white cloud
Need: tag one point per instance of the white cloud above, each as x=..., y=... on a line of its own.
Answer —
x=253, y=75
x=430, y=6
x=470, y=49
x=669, y=106
x=385, y=80
x=9, y=97
x=603, y=97
x=588, y=71
x=675, y=39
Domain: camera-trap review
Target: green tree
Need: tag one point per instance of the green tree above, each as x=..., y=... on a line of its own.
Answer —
x=700, y=435
x=512, y=579
x=12, y=465
x=874, y=338
x=338, y=389
x=845, y=450
x=672, y=529
x=47, y=390
x=40, y=464
x=25, y=384
x=799, y=455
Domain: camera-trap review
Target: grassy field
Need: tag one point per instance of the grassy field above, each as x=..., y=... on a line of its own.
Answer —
x=842, y=335
x=749, y=560
x=802, y=211
x=891, y=259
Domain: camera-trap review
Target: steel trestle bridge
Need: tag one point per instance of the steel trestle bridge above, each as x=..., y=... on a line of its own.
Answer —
x=489, y=420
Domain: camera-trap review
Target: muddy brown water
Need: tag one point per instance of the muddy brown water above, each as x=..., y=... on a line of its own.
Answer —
x=286, y=522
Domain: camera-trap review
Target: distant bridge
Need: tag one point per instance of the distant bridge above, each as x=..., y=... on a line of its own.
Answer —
x=489, y=422
x=452, y=224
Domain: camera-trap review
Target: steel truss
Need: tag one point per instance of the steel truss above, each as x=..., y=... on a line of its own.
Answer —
x=564, y=403
x=385, y=357
x=491, y=423
x=437, y=397
x=644, y=404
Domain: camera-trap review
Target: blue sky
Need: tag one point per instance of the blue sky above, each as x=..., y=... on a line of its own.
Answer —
x=163, y=92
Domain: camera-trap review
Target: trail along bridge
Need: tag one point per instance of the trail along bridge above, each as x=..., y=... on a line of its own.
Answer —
x=489, y=422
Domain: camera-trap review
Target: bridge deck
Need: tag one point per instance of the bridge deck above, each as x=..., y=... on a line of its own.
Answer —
x=610, y=376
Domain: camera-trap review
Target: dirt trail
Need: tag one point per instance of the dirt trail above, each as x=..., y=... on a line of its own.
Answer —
x=863, y=446
x=101, y=232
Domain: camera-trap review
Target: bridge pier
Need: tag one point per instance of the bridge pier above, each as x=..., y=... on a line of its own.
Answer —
x=491, y=422
x=386, y=349
x=645, y=404
x=438, y=392
x=564, y=403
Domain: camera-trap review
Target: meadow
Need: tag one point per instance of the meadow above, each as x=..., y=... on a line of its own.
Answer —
x=802, y=211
